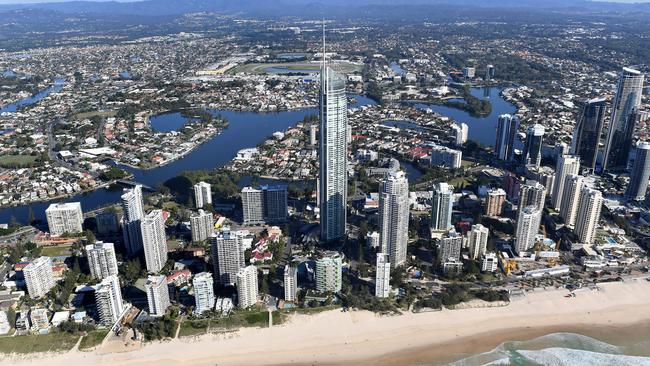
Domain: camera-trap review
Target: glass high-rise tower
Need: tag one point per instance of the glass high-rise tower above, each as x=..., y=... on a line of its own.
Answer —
x=333, y=154
x=588, y=130
x=533, y=148
x=624, y=117
x=505, y=143
x=640, y=173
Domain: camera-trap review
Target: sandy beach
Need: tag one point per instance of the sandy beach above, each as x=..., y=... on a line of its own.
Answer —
x=337, y=338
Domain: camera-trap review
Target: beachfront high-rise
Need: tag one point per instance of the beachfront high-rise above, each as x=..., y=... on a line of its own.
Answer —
x=202, y=194
x=532, y=193
x=507, y=126
x=290, y=283
x=640, y=173
x=203, y=292
x=527, y=228
x=333, y=178
x=566, y=165
x=101, y=260
x=133, y=208
x=157, y=295
x=442, y=202
x=478, y=239
x=533, y=147
x=623, y=119
x=39, y=277
x=394, y=217
x=382, y=276
x=154, y=241
x=490, y=263
x=588, y=131
x=572, y=190
x=227, y=253
x=247, y=291
x=108, y=298
x=201, y=226
x=328, y=272
x=64, y=218
x=449, y=247
x=591, y=202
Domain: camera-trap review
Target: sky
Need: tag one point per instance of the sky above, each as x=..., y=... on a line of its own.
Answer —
x=51, y=1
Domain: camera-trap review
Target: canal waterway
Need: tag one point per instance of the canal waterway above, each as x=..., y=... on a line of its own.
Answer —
x=245, y=129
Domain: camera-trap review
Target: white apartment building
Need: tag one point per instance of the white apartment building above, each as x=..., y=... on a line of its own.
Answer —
x=39, y=277
x=157, y=295
x=329, y=272
x=591, y=203
x=573, y=185
x=490, y=263
x=382, y=276
x=101, y=260
x=290, y=283
x=478, y=239
x=108, y=297
x=527, y=228
x=203, y=292
x=201, y=225
x=247, y=291
x=227, y=251
x=64, y=218
x=202, y=194
x=154, y=241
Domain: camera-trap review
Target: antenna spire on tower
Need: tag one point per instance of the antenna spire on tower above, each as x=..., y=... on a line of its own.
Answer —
x=323, y=42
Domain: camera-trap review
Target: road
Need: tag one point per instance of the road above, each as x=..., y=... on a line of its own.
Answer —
x=13, y=237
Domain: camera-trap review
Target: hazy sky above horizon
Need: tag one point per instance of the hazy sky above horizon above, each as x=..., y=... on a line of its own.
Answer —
x=52, y=1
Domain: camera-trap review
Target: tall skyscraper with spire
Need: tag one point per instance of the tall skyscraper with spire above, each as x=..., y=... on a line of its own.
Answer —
x=332, y=152
x=624, y=117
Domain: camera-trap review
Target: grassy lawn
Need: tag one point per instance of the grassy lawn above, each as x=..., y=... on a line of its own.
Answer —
x=55, y=341
x=93, y=339
x=86, y=115
x=56, y=251
x=17, y=161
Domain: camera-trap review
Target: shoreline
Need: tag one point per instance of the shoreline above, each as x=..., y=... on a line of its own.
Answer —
x=338, y=338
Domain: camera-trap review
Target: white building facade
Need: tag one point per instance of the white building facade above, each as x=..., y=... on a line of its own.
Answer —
x=64, y=218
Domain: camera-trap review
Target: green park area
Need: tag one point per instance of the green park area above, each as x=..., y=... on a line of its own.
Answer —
x=17, y=161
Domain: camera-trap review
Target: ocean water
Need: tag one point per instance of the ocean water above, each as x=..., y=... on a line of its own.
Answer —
x=562, y=349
